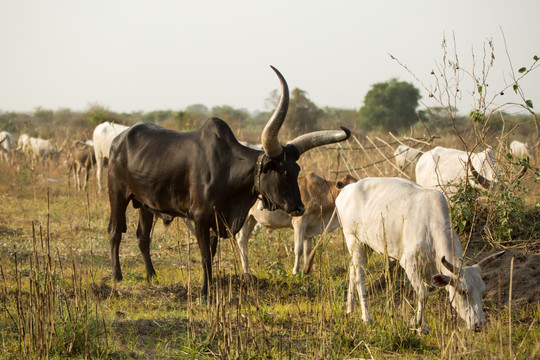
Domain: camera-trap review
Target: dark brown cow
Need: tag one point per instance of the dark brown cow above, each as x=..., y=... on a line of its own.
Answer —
x=318, y=196
x=204, y=175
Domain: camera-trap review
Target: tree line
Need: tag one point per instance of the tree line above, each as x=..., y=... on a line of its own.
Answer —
x=388, y=106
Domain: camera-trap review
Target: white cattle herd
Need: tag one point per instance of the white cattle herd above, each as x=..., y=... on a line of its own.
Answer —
x=36, y=148
x=403, y=220
x=446, y=169
x=404, y=156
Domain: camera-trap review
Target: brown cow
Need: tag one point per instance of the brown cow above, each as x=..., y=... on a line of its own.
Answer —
x=318, y=196
x=80, y=157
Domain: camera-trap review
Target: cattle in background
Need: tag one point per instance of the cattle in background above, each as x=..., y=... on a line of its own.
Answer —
x=405, y=155
x=80, y=158
x=102, y=138
x=521, y=150
x=444, y=169
x=23, y=143
x=42, y=149
x=410, y=224
x=318, y=196
x=206, y=176
x=6, y=145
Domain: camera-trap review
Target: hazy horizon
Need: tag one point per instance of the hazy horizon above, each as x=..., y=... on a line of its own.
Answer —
x=131, y=56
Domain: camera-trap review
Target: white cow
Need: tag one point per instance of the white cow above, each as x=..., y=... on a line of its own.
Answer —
x=405, y=155
x=521, y=150
x=444, y=169
x=6, y=144
x=23, y=142
x=103, y=136
x=42, y=149
x=411, y=224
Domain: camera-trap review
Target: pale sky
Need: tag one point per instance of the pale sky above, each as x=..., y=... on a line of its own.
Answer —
x=129, y=55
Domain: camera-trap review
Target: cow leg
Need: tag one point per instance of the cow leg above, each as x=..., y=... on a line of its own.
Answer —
x=308, y=245
x=242, y=240
x=78, y=176
x=299, y=234
x=146, y=221
x=203, y=239
x=117, y=226
x=86, y=176
x=99, y=168
x=74, y=173
x=357, y=276
x=410, y=265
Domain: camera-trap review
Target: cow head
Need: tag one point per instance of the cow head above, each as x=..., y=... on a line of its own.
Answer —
x=276, y=173
x=346, y=180
x=466, y=289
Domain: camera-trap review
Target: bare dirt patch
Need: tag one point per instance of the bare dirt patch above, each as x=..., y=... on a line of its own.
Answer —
x=525, y=275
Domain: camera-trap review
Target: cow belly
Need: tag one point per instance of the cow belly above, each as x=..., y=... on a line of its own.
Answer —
x=278, y=219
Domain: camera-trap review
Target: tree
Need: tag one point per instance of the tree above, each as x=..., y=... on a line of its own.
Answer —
x=43, y=116
x=236, y=118
x=98, y=114
x=390, y=105
x=303, y=114
x=336, y=117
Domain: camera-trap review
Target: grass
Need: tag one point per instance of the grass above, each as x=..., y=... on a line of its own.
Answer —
x=58, y=299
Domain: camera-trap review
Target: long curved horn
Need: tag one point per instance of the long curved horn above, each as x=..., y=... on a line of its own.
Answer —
x=447, y=264
x=269, y=137
x=490, y=258
x=485, y=183
x=318, y=138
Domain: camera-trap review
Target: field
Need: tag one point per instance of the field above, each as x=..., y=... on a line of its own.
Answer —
x=58, y=299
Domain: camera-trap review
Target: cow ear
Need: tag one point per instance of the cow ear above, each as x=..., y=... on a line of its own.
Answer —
x=340, y=185
x=440, y=280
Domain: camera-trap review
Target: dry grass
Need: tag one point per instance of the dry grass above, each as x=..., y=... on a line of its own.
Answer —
x=58, y=299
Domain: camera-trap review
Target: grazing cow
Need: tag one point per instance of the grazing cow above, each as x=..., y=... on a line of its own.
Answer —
x=6, y=145
x=444, y=169
x=405, y=155
x=521, y=150
x=42, y=149
x=80, y=157
x=318, y=196
x=204, y=175
x=102, y=137
x=410, y=224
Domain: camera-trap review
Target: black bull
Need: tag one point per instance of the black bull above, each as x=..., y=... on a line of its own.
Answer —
x=205, y=175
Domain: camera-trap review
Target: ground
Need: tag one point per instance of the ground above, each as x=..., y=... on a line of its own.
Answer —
x=525, y=275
